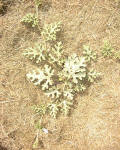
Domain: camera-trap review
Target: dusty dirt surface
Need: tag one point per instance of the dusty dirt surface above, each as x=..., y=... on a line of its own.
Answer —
x=94, y=123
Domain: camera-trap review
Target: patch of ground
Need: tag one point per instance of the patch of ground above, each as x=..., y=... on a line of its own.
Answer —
x=94, y=123
x=4, y=6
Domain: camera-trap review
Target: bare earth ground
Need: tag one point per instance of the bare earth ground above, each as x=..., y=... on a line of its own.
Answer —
x=94, y=123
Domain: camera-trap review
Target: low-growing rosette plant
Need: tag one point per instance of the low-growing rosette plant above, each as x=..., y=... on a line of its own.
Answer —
x=107, y=49
x=30, y=19
x=60, y=77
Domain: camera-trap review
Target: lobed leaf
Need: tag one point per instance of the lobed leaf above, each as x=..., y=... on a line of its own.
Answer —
x=36, y=53
x=50, y=30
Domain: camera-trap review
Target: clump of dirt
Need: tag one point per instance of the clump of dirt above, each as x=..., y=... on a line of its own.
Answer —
x=2, y=148
x=4, y=4
x=7, y=144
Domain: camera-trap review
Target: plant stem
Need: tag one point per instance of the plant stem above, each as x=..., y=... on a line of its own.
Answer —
x=36, y=7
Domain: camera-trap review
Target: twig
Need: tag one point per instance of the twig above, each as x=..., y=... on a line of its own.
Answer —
x=8, y=101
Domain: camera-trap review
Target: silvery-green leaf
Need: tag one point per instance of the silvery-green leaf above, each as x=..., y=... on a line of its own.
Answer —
x=36, y=53
x=68, y=93
x=43, y=77
x=36, y=76
x=75, y=68
x=53, y=93
x=88, y=53
x=92, y=75
x=50, y=30
x=31, y=18
x=65, y=107
x=53, y=109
